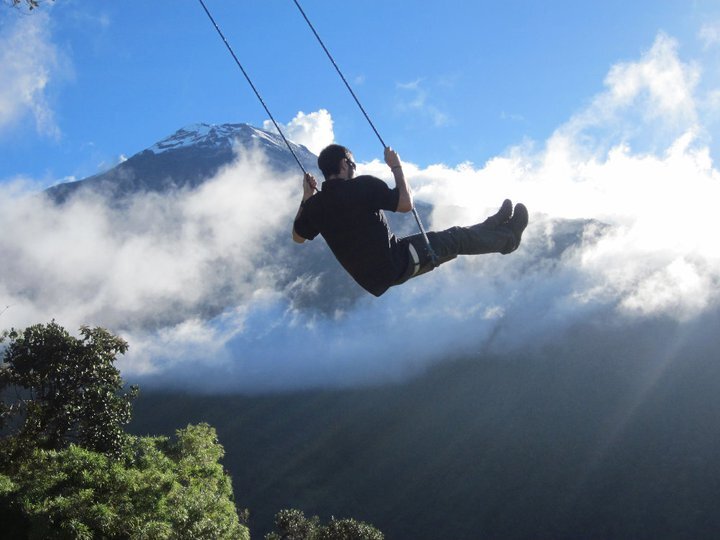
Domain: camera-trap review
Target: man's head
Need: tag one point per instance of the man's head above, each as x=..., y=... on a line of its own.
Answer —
x=336, y=160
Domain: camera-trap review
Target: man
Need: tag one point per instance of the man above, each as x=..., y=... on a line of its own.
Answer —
x=348, y=212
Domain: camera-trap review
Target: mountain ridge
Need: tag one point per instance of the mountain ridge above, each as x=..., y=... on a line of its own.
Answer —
x=185, y=159
x=567, y=441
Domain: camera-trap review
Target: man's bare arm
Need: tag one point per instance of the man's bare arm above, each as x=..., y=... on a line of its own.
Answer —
x=405, y=202
x=309, y=186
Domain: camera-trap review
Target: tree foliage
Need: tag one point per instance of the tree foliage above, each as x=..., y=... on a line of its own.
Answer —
x=30, y=4
x=69, y=470
x=56, y=389
x=158, y=489
x=294, y=525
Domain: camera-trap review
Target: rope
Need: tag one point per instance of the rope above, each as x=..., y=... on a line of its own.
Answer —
x=433, y=256
x=431, y=251
x=340, y=73
x=247, y=77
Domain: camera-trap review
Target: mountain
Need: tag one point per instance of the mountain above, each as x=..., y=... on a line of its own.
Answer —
x=195, y=153
x=185, y=159
x=609, y=433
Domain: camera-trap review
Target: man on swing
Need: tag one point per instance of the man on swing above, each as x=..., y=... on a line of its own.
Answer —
x=348, y=212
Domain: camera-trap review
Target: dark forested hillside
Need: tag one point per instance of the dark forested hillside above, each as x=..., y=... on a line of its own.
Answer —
x=619, y=441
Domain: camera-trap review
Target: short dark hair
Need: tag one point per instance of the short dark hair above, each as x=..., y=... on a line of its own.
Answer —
x=330, y=158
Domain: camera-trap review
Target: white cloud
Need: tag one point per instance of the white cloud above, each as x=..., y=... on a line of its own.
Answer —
x=157, y=261
x=414, y=99
x=710, y=34
x=658, y=202
x=314, y=130
x=646, y=101
x=28, y=63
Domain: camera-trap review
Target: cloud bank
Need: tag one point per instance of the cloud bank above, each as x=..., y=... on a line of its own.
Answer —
x=621, y=197
x=89, y=261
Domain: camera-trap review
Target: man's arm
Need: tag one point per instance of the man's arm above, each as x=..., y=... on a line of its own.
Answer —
x=405, y=202
x=309, y=186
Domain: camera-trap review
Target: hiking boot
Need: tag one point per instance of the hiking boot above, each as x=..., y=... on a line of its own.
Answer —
x=518, y=222
x=502, y=215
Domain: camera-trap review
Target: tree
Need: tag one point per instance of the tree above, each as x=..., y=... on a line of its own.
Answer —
x=293, y=525
x=348, y=529
x=159, y=489
x=69, y=470
x=56, y=389
x=31, y=4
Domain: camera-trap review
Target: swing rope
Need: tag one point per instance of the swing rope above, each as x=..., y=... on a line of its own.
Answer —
x=433, y=256
x=247, y=77
x=340, y=73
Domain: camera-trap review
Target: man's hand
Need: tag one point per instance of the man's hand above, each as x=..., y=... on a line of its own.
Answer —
x=309, y=186
x=391, y=158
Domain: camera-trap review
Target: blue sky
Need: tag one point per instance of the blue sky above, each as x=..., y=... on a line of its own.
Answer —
x=444, y=82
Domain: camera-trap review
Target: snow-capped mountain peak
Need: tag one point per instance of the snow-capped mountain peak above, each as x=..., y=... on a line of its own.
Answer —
x=187, y=158
x=186, y=136
x=219, y=136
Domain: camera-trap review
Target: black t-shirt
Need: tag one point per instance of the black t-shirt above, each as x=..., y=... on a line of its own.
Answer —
x=349, y=215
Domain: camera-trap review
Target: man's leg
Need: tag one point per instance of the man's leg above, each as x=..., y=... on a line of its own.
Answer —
x=500, y=233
